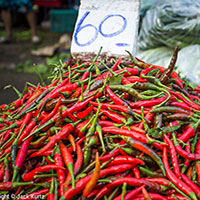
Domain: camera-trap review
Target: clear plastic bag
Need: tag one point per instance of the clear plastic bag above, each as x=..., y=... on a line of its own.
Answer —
x=170, y=23
x=146, y=5
x=188, y=62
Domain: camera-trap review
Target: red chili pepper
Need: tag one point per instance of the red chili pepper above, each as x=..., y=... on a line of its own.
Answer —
x=71, y=116
x=51, y=191
x=183, y=153
x=178, y=196
x=114, y=97
x=181, y=105
x=138, y=111
x=37, y=153
x=8, y=186
x=134, y=79
x=175, y=76
x=1, y=172
x=136, y=172
x=194, y=187
x=40, y=142
x=77, y=165
x=110, y=155
x=132, y=193
x=134, y=128
x=77, y=92
x=197, y=150
x=114, y=67
x=80, y=105
x=186, y=162
x=129, y=181
x=161, y=181
x=30, y=175
x=81, y=128
x=194, y=97
x=78, y=142
x=172, y=177
x=149, y=116
x=126, y=160
x=125, y=81
x=133, y=134
x=69, y=86
x=85, y=75
x=173, y=156
x=84, y=113
x=61, y=173
x=151, y=195
x=72, y=141
x=189, y=132
x=93, y=181
x=128, y=71
x=146, y=71
x=16, y=104
x=34, y=194
x=11, y=126
x=112, y=115
x=67, y=157
x=21, y=155
x=32, y=125
x=198, y=171
x=94, y=192
x=178, y=95
x=105, y=123
x=63, y=133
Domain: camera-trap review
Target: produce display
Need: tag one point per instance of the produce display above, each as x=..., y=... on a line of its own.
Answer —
x=115, y=131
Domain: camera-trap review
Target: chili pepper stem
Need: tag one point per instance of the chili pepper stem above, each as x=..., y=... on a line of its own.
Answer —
x=104, y=85
x=123, y=190
x=99, y=131
x=179, y=191
x=70, y=168
x=17, y=184
x=15, y=173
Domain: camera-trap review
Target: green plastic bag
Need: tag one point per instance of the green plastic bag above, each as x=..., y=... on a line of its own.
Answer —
x=170, y=23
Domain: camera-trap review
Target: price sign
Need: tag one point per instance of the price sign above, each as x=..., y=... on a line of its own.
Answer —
x=112, y=25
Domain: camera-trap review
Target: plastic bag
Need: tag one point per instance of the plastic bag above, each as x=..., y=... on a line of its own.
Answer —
x=170, y=23
x=158, y=56
x=146, y=5
x=188, y=62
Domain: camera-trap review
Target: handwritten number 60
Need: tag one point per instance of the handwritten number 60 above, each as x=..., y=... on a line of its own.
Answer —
x=80, y=27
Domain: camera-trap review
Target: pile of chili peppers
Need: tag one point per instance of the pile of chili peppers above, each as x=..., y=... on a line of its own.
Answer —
x=103, y=131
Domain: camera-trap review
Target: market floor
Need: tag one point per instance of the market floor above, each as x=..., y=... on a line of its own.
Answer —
x=17, y=52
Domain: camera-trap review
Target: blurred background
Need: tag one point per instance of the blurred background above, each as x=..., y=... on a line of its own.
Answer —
x=163, y=25
x=21, y=60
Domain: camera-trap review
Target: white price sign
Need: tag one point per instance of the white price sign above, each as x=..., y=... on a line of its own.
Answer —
x=112, y=25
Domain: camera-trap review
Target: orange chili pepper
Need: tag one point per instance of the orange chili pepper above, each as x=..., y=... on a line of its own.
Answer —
x=93, y=181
